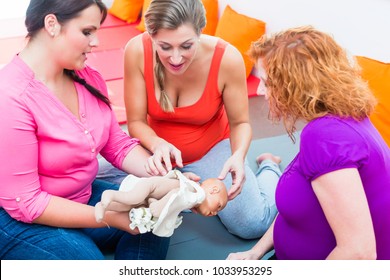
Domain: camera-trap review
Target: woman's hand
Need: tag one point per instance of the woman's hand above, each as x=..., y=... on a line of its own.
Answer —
x=160, y=162
x=234, y=165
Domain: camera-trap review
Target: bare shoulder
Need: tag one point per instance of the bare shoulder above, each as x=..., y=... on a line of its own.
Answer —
x=232, y=69
x=232, y=58
x=134, y=53
x=134, y=45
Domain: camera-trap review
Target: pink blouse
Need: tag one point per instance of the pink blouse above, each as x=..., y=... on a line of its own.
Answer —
x=45, y=150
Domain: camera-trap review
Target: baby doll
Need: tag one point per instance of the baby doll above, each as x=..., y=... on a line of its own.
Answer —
x=156, y=202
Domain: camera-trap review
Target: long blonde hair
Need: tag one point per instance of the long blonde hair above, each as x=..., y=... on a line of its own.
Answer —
x=171, y=14
x=309, y=75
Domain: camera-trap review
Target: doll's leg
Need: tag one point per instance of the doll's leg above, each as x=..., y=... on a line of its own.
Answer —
x=139, y=190
x=151, y=187
x=157, y=205
x=110, y=201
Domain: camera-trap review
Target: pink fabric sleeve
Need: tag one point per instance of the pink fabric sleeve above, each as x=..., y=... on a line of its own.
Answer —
x=20, y=193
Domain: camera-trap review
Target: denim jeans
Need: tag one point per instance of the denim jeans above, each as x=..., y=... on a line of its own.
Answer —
x=250, y=214
x=20, y=240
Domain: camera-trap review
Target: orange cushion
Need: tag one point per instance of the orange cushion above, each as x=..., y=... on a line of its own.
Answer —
x=211, y=7
x=240, y=31
x=127, y=10
x=141, y=26
x=377, y=74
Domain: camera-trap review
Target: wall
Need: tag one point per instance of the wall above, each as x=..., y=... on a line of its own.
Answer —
x=12, y=8
x=360, y=26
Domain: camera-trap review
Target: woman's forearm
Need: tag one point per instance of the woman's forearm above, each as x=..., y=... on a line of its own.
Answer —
x=266, y=242
x=144, y=133
x=65, y=213
x=135, y=160
x=240, y=138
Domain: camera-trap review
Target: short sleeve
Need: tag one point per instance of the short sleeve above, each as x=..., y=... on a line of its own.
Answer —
x=329, y=144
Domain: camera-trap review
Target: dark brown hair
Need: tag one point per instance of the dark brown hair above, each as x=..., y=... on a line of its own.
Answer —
x=64, y=11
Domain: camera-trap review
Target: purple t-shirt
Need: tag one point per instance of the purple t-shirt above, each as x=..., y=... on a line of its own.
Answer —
x=327, y=144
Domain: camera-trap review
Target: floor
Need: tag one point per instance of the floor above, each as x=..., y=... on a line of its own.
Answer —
x=262, y=127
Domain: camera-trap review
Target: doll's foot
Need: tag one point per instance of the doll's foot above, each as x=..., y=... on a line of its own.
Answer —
x=155, y=206
x=269, y=156
x=99, y=212
x=100, y=207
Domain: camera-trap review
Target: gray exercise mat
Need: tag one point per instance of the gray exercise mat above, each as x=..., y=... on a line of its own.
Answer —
x=205, y=238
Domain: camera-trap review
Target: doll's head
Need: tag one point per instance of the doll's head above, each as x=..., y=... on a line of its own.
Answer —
x=216, y=197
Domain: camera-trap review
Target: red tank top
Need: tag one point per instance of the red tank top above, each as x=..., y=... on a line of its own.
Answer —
x=193, y=129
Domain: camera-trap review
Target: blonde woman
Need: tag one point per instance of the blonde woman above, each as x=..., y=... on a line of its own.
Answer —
x=187, y=102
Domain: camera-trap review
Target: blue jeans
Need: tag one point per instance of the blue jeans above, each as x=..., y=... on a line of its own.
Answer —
x=20, y=240
x=250, y=214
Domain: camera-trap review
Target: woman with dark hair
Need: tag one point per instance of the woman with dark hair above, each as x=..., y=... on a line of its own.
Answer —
x=55, y=120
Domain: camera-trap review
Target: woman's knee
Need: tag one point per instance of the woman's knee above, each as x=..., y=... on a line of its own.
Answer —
x=245, y=229
x=51, y=244
x=75, y=245
x=248, y=221
x=142, y=247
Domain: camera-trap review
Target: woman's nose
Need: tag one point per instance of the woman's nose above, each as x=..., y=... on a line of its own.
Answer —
x=94, y=42
x=176, y=57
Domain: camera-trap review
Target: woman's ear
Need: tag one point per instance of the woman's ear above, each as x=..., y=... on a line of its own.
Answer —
x=51, y=25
